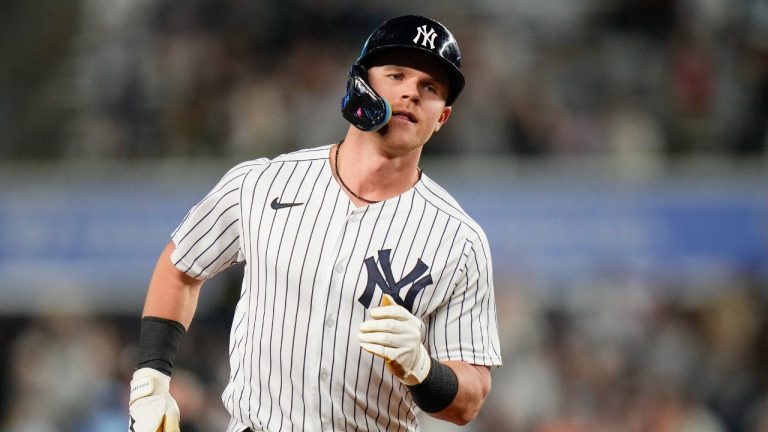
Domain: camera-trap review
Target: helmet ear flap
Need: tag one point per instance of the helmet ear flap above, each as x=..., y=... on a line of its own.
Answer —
x=361, y=105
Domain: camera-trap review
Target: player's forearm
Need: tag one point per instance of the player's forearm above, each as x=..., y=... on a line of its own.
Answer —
x=474, y=385
x=172, y=294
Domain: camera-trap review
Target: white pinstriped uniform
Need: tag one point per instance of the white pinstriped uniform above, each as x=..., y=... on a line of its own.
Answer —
x=296, y=363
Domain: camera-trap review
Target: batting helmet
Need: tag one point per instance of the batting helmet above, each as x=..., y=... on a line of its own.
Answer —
x=365, y=109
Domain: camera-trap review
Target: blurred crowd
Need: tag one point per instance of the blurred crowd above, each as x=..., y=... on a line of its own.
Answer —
x=147, y=79
x=643, y=81
x=625, y=355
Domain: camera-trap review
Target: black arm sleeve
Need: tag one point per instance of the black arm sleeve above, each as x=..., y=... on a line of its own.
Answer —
x=438, y=389
x=158, y=343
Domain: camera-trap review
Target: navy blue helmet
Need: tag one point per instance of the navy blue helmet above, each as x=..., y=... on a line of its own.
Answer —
x=361, y=105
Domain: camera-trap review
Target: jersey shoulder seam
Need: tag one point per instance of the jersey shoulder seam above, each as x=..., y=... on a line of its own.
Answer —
x=304, y=155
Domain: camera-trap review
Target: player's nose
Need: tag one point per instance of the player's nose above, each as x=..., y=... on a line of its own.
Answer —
x=410, y=90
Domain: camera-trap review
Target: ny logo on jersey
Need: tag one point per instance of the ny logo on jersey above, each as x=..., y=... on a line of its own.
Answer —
x=386, y=282
x=426, y=36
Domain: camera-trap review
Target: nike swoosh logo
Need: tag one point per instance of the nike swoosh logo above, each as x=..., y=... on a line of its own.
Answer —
x=278, y=205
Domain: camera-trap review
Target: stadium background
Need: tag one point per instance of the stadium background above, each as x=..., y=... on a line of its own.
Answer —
x=614, y=150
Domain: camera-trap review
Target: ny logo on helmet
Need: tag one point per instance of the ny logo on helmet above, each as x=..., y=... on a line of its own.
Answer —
x=386, y=281
x=426, y=36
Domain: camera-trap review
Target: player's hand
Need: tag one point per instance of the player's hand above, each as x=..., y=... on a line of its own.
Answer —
x=394, y=334
x=152, y=408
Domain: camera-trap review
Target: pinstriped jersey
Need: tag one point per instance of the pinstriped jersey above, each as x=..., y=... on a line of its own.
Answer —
x=314, y=265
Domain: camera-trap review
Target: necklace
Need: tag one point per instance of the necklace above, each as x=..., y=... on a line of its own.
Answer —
x=338, y=174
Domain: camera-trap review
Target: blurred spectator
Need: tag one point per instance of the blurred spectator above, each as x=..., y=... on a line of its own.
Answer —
x=63, y=374
x=754, y=51
x=36, y=39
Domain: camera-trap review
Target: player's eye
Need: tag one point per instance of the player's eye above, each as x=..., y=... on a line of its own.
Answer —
x=396, y=76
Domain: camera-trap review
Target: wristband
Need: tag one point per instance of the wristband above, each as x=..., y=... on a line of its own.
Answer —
x=158, y=343
x=438, y=389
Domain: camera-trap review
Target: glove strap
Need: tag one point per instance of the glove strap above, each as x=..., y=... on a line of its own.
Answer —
x=419, y=372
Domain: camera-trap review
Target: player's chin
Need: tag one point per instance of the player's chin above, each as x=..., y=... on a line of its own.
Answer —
x=405, y=139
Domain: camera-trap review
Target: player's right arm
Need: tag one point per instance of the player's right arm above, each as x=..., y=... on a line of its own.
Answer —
x=172, y=294
x=206, y=242
x=168, y=310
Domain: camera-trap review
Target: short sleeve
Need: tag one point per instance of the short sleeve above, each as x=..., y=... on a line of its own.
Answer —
x=208, y=239
x=465, y=327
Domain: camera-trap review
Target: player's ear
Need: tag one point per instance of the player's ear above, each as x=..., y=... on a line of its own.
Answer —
x=443, y=117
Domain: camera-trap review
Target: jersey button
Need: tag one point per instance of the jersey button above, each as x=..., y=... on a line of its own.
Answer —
x=329, y=322
x=324, y=375
x=340, y=268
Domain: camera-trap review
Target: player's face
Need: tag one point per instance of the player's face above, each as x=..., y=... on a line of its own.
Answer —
x=416, y=87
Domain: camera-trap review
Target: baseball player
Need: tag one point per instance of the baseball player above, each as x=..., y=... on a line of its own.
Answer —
x=367, y=294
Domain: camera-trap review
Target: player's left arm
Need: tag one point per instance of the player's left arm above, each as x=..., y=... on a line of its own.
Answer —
x=453, y=391
x=474, y=383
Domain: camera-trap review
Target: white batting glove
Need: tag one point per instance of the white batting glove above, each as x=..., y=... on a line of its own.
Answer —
x=152, y=408
x=394, y=334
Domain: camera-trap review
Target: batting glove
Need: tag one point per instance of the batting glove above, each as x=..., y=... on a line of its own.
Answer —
x=152, y=408
x=394, y=334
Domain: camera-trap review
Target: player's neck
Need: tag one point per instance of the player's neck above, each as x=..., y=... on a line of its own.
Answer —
x=365, y=170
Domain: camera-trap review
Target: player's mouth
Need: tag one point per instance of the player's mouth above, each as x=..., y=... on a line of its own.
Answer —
x=404, y=116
